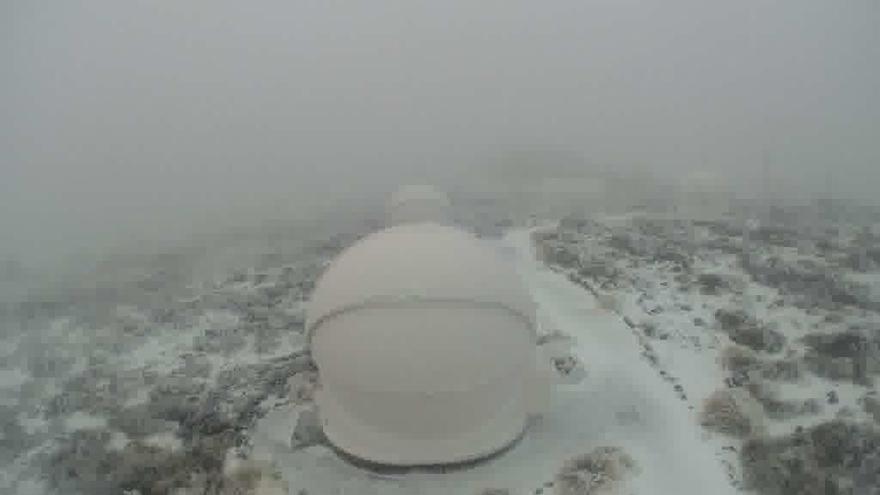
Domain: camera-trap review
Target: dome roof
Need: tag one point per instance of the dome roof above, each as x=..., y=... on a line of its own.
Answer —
x=418, y=262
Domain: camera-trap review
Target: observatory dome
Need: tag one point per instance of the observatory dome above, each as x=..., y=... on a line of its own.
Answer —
x=417, y=203
x=424, y=340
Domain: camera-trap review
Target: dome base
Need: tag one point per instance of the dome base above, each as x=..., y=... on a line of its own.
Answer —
x=383, y=469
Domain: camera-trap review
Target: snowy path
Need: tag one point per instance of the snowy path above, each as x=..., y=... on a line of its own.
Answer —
x=622, y=402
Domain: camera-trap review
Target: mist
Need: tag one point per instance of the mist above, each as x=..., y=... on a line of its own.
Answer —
x=153, y=120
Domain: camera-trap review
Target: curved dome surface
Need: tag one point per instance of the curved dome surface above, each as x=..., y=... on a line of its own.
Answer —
x=418, y=262
x=424, y=342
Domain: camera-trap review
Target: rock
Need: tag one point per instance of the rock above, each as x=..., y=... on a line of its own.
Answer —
x=596, y=472
x=308, y=431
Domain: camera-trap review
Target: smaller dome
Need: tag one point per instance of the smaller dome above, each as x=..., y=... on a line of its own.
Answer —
x=417, y=203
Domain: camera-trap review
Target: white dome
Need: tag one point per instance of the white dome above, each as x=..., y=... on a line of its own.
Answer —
x=423, y=261
x=417, y=203
x=424, y=342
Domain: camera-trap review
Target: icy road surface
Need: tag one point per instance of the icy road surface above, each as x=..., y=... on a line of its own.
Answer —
x=622, y=402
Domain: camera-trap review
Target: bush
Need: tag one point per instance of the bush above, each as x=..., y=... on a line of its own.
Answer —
x=711, y=283
x=744, y=330
x=731, y=412
x=739, y=359
x=595, y=472
x=827, y=458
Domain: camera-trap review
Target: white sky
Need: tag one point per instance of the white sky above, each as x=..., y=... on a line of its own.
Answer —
x=154, y=116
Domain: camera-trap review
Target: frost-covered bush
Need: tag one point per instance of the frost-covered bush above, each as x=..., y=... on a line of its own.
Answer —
x=788, y=369
x=739, y=359
x=711, y=283
x=827, y=458
x=594, y=472
x=731, y=412
x=495, y=491
x=609, y=302
x=768, y=396
x=745, y=330
x=838, y=356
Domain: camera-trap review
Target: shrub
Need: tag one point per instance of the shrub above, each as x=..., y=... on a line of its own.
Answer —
x=731, y=412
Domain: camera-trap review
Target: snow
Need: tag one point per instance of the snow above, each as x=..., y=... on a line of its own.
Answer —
x=82, y=421
x=635, y=390
x=622, y=402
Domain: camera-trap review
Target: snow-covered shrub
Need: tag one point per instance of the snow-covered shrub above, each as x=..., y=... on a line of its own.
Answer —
x=308, y=430
x=827, y=458
x=731, y=412
x=739, y=359
x=768, y=396
x=596, y=472
x=301, y=386
x=608, y=302
x=744, y=329
x=871, y=404
x=711, y=283
x=495, y=491
x=789, y=369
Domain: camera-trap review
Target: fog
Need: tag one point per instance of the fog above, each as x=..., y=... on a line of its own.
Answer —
x=124, y=120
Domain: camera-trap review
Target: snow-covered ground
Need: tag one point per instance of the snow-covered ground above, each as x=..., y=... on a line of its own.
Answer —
x=621, y=402
x=203, y=385
x=774, y=342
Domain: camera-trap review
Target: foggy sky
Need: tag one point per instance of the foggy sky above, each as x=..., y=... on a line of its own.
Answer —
x=158, y=117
